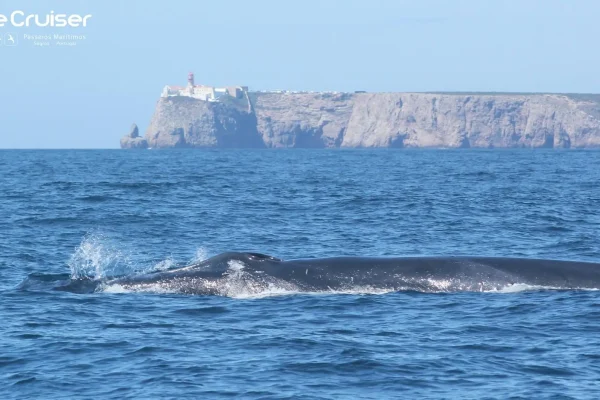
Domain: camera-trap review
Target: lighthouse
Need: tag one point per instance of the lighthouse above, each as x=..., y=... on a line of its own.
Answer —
x=191, y=84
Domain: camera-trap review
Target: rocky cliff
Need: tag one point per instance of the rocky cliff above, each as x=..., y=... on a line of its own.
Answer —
x=186, y=122
x=133, y=140
x=320, y=120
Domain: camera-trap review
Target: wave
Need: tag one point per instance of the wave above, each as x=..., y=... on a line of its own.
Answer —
x=240, y=287
x=242, y=291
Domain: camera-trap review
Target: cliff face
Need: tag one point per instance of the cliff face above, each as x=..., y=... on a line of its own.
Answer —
x=303, y=119
x=186, y=122
x=429, y=120
x=320, y=120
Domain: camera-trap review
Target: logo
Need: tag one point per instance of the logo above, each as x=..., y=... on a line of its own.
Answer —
x=56, y=29
x=20, y=19
x=11, y=39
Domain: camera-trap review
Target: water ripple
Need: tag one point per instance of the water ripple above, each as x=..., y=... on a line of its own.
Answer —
x=108, y=213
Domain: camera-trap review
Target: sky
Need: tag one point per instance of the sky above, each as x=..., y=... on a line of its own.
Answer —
x=88, y=95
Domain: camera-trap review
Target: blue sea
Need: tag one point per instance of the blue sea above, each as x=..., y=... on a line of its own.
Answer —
x=117, y=213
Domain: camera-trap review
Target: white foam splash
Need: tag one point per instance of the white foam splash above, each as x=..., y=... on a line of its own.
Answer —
x=100, y=257
x=113, y=289
x=520, y=287
x=200, y=255
x=97, y=257
x=156, y=288
x=235, y=265
x=241, y=285
x=238, y=283
x=442, y=285
x=165, y=264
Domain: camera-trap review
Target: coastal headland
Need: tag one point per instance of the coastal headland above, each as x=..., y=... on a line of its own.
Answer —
x=204, y=116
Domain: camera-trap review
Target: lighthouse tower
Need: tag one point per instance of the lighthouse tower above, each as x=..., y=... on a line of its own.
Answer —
x=191, y=83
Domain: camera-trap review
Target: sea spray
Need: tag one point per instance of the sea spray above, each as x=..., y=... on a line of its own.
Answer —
x=200, y=255
x=97, y=257
x=165, y=264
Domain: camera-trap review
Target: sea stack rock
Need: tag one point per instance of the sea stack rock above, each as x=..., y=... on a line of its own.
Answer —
x=133, y=140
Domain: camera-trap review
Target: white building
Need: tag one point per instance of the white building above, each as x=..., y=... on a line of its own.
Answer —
x=201, y=92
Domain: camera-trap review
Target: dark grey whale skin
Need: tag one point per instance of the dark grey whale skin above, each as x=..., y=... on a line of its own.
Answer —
x=386, y=273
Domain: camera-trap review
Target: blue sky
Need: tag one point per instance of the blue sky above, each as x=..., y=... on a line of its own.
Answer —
x=88, y=95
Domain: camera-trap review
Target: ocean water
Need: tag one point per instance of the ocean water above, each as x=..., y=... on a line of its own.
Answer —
x=113, y=213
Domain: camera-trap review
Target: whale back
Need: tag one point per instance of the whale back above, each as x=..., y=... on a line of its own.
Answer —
x=468, y=272
x=228, y=272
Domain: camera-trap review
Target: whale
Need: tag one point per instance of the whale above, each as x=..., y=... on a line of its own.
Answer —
x=234, y=272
